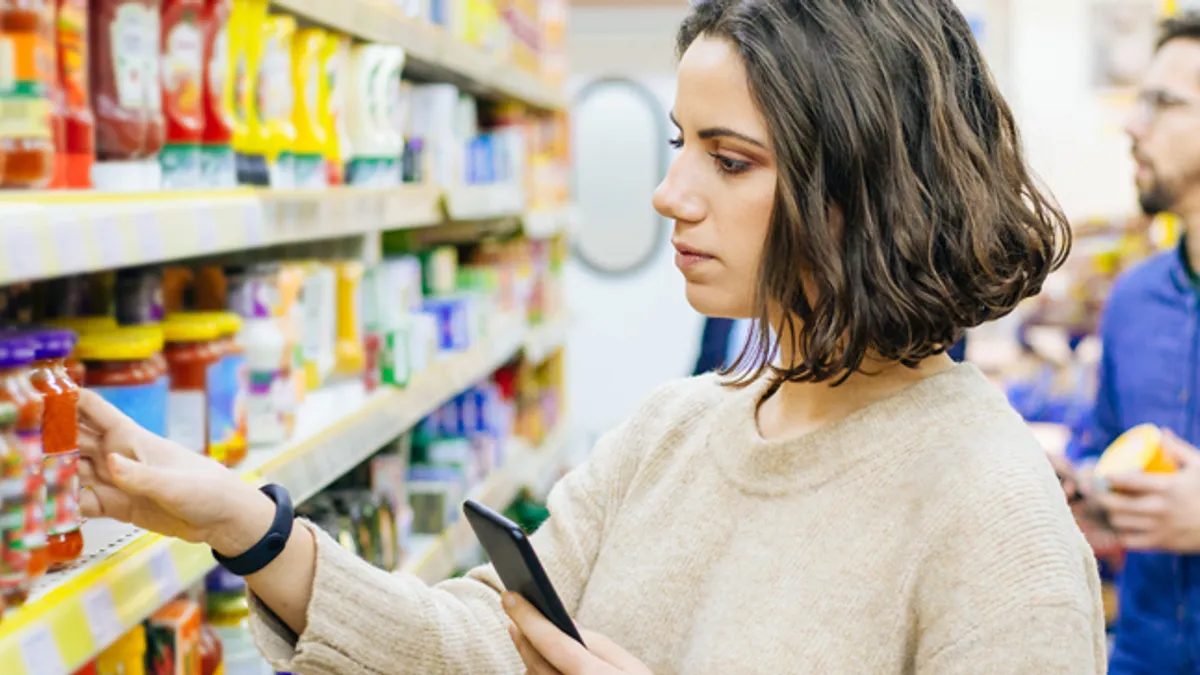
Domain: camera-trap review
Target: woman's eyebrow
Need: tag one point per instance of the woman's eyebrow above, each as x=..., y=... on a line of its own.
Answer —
x=716, y=132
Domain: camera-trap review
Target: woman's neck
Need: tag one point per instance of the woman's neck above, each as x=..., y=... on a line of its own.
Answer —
x=798, y=408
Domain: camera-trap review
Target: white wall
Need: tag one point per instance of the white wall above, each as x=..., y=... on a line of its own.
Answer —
x=630, y=334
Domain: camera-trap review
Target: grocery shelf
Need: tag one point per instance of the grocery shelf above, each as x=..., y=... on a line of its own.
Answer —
x=544, y=339
x=547, y=222
x=433, y=558
x=126, y=573
x=482, y=202
x=431, y=51
x=48, y=234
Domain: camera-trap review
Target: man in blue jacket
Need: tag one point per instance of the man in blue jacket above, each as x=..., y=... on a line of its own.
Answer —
x=1150, y=373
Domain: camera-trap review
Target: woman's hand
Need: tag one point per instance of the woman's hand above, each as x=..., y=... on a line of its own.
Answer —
x=137, y=477
x=548, y=651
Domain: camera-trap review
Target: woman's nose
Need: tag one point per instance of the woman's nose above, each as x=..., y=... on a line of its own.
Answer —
x=675, y=199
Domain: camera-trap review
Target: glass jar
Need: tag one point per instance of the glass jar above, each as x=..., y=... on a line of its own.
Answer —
x=14, y=561
x=193, y=351
x=121, y=368
x=60, y=443
x=16, y=356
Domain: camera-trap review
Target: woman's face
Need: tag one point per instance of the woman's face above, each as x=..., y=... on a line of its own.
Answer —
x=720, y=188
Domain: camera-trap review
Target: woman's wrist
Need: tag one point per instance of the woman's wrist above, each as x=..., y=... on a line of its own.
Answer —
x=251, y=515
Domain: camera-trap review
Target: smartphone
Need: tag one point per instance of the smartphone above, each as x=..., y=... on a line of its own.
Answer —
x=517, y=565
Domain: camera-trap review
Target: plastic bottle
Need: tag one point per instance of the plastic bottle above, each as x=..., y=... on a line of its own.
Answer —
x=217, y=167
x=335, y=63
x=60, y=443
x=25, y=105
x=350, y=355
x=311, y=99
x=246, y=45
x=79, y=133
x=389, y=115
x=268, y=391
x=363, y=95
x=182, y=68
x=276, y=98
x=58, y=103
x=126, y=93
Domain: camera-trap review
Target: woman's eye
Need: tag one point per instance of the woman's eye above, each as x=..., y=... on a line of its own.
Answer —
x=676, y=143
x=727, y=165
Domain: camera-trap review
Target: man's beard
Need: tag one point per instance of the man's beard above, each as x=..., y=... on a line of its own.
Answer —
x=1156, y=200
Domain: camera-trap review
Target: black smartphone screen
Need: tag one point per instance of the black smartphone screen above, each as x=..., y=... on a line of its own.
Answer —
x=517, y=565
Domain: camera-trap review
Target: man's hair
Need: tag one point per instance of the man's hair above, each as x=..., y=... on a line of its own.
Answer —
x=1185, y=25
x=904, y=212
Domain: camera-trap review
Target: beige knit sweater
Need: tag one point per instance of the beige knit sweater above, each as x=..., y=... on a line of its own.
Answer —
x=924, y=534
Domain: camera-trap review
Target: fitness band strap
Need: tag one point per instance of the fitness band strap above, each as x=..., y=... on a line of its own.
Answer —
x=273, y=542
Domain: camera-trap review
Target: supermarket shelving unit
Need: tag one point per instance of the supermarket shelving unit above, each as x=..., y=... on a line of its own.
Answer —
x=126, y=573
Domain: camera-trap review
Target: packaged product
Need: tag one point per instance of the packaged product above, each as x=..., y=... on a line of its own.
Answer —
x=124, y=367
x=350, y=355
x=217, y=166
x=226, y=404
x=14, y=557
x=27, y=144
x=16, y=358
x=193, y=352
x=318, y=327
x=126, y=656
x=268, y=392
x=139, y=296
x=276, y=99
x=60, y=442
x=182, y=92
x=311, y=104
x=125, y=81
x=79, y=144
x=173, y=639
x=246, y=49
x=335, y=63
x=1139, y=449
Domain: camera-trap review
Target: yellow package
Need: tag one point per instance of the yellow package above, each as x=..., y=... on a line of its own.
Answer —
x=276, y=99
x=351, y=356
x=311, y=100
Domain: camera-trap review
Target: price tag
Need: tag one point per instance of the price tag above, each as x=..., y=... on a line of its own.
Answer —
x=108, y=241
x=149, y=236
x=166, y=577
x=24, y=259
x=71, y=242
x=40, y=653
x=102, y=616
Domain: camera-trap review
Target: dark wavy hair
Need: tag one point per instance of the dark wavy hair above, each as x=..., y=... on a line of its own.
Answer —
x=904, y=211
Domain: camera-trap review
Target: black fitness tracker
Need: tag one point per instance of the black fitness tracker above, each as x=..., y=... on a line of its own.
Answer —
x=273, y=542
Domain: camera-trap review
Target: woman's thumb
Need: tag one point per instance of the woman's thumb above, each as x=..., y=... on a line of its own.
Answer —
x=98, y=412
x=136, y=478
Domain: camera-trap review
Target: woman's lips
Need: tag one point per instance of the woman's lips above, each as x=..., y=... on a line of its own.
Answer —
x=687, y=257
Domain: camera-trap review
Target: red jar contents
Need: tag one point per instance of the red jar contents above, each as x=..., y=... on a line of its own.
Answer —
x=16, y=356
x=123, y=368
x=14, y=560
x=192, y=350
x=60, y=443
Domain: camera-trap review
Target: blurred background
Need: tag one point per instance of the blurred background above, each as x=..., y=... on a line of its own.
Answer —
x=395, y=253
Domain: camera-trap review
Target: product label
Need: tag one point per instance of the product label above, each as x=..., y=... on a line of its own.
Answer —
x=145, y=404
x=135, y=59
x=267, y=396
x=14, y=558
x=275, y=83
x=187, y=418
x=72, y=52
x=33, y=530
x=182, y=70
x=25, y=66
x=218, y=62
x=223, y=404
x=180, y=167
x=62, y=492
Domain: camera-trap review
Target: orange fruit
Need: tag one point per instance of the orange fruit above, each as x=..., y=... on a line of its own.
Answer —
x=1139, y=450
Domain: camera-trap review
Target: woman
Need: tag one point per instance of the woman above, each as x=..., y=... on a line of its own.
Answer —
x=849, y=176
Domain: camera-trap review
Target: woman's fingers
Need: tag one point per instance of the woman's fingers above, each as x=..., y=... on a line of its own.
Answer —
x=535, y=664
x=98, y=413
x=105, y=501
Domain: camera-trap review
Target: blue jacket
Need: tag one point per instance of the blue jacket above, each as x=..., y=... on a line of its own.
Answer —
x=1150, y=372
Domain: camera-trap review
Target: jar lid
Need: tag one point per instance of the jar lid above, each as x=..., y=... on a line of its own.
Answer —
x=84, y=324
x=151, y=331
x=8, y=414
x=52, y=343
x=228, y=323
x=16, y=352
x=123, y=344
x=191, y=327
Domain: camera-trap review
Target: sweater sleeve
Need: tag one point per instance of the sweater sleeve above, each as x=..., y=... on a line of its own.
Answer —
x=364, y=620
x=1008, y=584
